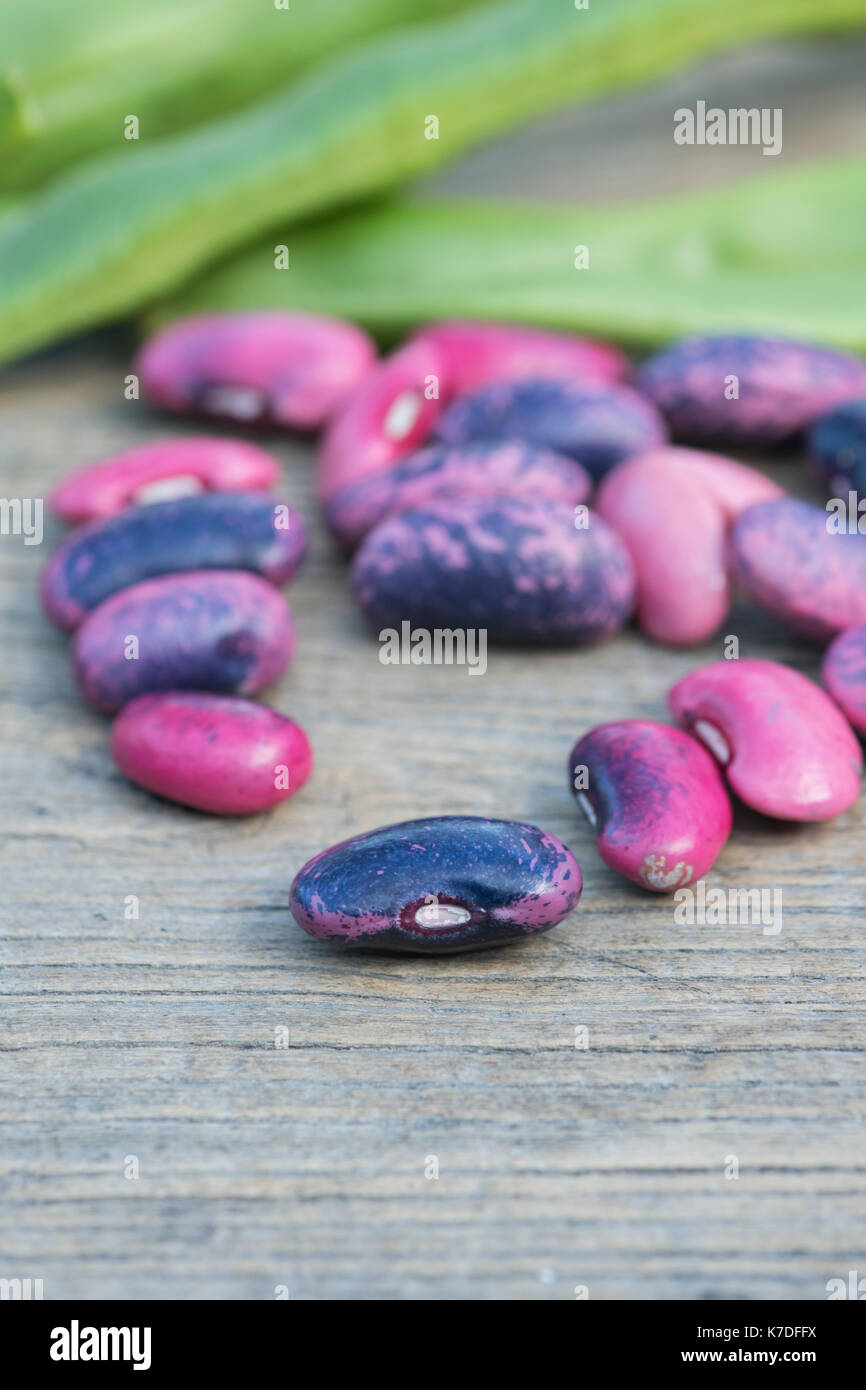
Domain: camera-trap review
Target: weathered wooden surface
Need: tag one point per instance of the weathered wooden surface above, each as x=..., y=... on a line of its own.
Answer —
x=304, y=1166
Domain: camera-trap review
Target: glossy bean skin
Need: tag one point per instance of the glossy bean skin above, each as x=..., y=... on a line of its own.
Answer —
x=389, y=416
x=272, y=369
x=216, y=753
x=479, y=354
x=844, y=675
x=784, y=557
x=837, y=447
x=218, y=630
x=507, y=469
x=786, y=749
x=675, y=533
x=733, y=486
x=518, y=569
x=783, y=386
x=597, y=424
x=237, y=531
x=182, y=467
x=505, y=879
x=655, y=799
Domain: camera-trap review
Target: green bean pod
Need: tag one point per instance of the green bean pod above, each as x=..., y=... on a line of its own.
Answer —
x=784, y=251
x=127, y=227
x=71, y=75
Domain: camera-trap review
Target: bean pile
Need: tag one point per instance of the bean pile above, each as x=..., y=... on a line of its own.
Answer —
x=456, y=474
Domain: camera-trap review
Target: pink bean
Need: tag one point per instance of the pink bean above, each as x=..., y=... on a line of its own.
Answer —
x=214, y=752
x=155, y=472
x=675, y=534
x=284, y=369
x=785, y=747
x=479, y=354
x=655, y=799
x=734, y=486
x=389, y=416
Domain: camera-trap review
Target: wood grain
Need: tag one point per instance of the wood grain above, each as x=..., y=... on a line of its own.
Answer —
x=304, y=1165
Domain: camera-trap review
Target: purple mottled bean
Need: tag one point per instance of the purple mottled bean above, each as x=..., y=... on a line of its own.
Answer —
x=446, y=883
x=597, y=424
x=655, y=799
x=746, y=389
x=791, y=559
x=216, y=753
x=844, y=674
x=284, y=369
x=248, y=531
x=509, y=468
x=220, y=630
x=523, y=571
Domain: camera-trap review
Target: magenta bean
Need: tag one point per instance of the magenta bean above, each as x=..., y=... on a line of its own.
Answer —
x=153, y=472
x=221, y=630
x=521, y=570
x=745, y=389
x=788, y=557
x=655, y=799
x=500, y=469
x=445, y=883
x=292, y=370
x=675, y=534
x=786, y=749
x=213, y=752
x=844, y=674
x=479, y=354
x=237, y=531
x=389, y=416
x=597, y=424
x=734, y=486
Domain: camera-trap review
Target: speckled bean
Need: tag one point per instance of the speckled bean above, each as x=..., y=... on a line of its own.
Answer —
x=785, y=558
x=220, y=630
x=509, y=468
x=519, y=569
x=271, y=369
x=597, y=424
x=786, y=749
x=655, y=799
x=837, y=447
x=154, y=472
x=844, y=674
x=237, y=531
x=746, y=389
x=395, y=410
x=446, y=883
x=213, y=752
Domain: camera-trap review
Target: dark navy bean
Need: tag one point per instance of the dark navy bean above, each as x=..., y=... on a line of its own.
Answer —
x=837, y=447
x=788, y=558
x=599, y=425
x=746, y=389
x=446, y=883
x=519, y=569
x=231, y=530
x=493, y=468
x=222, y=630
